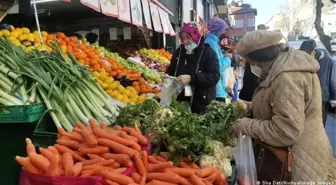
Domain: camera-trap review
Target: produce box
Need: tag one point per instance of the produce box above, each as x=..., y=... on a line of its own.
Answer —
x=21, y=113
x=232, y=180
x=45, y=133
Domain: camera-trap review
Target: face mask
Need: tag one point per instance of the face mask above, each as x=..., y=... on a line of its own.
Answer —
x=256, y=70
x=190, y=48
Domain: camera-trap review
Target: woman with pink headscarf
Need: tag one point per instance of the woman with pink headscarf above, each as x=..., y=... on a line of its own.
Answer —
x=196, y=66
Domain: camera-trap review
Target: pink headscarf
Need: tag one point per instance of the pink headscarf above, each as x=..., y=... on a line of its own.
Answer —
x=192, y=31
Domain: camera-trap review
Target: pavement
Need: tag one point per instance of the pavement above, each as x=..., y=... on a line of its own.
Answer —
x=331, y=131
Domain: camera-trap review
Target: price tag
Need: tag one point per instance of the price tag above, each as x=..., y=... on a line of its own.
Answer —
x=113, y=34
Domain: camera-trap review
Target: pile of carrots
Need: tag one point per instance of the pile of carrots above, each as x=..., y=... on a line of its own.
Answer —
x=117, y=155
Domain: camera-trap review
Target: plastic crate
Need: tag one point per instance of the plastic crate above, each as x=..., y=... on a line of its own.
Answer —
x=233, y=178
x=45, y=133
x=21, y=113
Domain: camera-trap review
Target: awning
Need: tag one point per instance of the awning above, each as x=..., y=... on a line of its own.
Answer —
x=138, y=12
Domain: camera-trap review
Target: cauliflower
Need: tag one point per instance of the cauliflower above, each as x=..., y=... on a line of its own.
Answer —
x=223, y=164
x=219, y=150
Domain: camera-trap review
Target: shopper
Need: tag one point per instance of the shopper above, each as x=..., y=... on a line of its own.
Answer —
x=92, y=38
x=196, y=67
x=217, y=28
x=250, y=83
x=290, y=141
x=326, y=74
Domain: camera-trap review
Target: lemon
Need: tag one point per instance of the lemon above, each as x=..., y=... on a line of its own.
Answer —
x=134, y=100
x=115, y=94
x=15, y=34
x=23, y=37
x=105, y=85
x=11, y=38
x=109, y=92
x=109, y=80
x=31, y=37
x=100, y=82
x=113, y=86
x=18, y=30
x=103, y=76
x=125, y=99
x=1, y=34
x=5, y=33
x=121, y=89
x=25, y=30
x=12, y=27
x=96, y=74
x=120, y=97
x=44, y=33
x=16, y=43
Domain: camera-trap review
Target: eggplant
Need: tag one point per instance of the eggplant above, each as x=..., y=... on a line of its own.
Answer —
x=6, y=27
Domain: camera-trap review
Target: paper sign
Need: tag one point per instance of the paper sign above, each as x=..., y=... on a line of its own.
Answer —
x=163, y=21
x=109, y=7
x=146, y=12
x=155, y=17
x=170, y=27
x=113, y=34
x=96, y=31
x=136, y=12
x=94, y=4
x=124, y=10
x=127, y=33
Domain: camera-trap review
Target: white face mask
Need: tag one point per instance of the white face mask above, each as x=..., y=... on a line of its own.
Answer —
x=256, y=70
x=190, y=48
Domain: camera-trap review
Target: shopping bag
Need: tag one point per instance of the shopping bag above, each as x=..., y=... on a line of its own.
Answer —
x=27, y=178
x=229, y=79
x=171, y=89
x=244, y=157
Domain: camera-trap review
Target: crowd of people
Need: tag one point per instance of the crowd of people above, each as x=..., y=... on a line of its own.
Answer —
x=287, y=91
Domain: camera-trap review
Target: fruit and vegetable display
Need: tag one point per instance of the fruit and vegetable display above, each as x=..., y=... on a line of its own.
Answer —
x=204, y=138
x=65, y=87
x=154, y=59
x=119, y=155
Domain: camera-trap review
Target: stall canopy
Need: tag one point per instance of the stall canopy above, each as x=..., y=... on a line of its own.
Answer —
x=142, y=13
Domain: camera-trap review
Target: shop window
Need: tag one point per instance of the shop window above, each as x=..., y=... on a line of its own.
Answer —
x=239, y=23
x=250, y=22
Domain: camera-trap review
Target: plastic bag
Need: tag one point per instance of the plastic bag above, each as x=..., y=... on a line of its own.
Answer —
x=229, y=79
x=245, y=162
x=27, y=178
x=171, y=88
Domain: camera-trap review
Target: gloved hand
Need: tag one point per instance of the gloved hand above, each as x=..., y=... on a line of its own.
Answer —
x=184, y=79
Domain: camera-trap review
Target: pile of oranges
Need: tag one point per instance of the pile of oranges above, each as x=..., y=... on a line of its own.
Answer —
x=162, y=52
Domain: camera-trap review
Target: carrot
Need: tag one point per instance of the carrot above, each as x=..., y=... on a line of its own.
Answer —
x=93, y=123
x=94, y=156
x=115, y=165
x=76, y=129
x=219, y=179
x=67, y=162
x=118, y=127
x=87, y=173
x=142, y=139
x=212, y=177
x=183, y=172
x=103, y=126
x=108, y=182
x=39, y=161
x=89, y=138
x=144, y=156
x=126, y=136
x=46, y=153
x=207, y=182
x=119, y=158
x=196, y=180
x=118, y=178
x=100, y=133
x=153, y=160
x=26, y=164
x=61, y=131
x=91, y=161
x=140, y=165
x=136, y=177
x=76, y=169
x=63, y=149
x=143, y=179
x=119, y=170
x=80, y=125
x=30, y=147
x=166, y=177
x=53, y=169
x=117, y=147
x=76, y=136
x=184, y=181
x=161, y=159
x=194, y=166
x=100, y=163
x=183, y=165
x=204, y=172
x=68, y=143
x=164, y=155
x=157, y=182
x=159, y=166
x=136, y=146
x=95, y=150
x=127, y=129
x=53, y=150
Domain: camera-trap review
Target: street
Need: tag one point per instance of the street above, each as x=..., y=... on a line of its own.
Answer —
x=331, y=131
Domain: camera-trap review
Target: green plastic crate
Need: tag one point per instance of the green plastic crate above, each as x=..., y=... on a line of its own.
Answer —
x=21, y=113
x=233, y=178
x=45, y=133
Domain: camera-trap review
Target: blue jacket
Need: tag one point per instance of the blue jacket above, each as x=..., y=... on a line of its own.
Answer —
x=327, y=76
x=224, y=63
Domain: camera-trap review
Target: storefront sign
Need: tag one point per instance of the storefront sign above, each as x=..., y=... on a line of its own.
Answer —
x=94, y=4
x=109, y=7
x=155, y=17
x=113, y=34
x=127, y=33
x=136, y=12
x=124, y=10
x=145, y=8
x=163, y=21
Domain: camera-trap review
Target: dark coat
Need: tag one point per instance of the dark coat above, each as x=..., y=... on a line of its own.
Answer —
x=250, y=83
x=327, y=76
x=203, y=81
